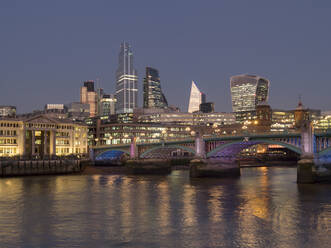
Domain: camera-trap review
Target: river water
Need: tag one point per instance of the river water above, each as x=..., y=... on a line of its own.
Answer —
x=263, y=208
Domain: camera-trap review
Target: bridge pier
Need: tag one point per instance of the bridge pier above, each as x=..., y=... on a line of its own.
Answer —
x=133, y=149
x=306, y=170
x=200, y=148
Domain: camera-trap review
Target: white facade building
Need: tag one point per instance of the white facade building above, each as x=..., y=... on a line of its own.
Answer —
x=196, y=98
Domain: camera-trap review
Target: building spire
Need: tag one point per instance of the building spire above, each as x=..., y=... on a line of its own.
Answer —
x=300, y=105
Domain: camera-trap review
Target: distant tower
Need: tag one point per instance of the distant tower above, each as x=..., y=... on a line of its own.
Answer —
x=106, y=103
x=89, y=96
x=264, y=116
x=196, y=98
x=301, y=115
x=153, y=96
x=247, y=91
x=126, y=81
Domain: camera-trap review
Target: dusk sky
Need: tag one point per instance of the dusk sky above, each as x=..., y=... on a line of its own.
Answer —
x=48, y=48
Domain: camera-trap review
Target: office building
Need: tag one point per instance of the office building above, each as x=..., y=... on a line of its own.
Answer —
x=126, y=81
x=7, y=111
x=180, y=118
x=196, y=98
x=153, y=96
x=89, y=96
x=207, y=107
x=78, y=111
x=106, y=105
x=247, y=91
x=105, y=133
x=56, y=110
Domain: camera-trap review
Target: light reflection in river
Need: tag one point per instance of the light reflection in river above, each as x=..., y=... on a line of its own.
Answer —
x=263, y=208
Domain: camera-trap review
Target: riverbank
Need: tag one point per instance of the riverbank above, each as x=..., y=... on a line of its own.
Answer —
x=41, y=167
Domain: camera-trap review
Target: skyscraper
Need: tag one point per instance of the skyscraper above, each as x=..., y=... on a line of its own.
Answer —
x=196, y=98
x=126, y=81
x=89, y=96
x=247, y=91
x=153, y=96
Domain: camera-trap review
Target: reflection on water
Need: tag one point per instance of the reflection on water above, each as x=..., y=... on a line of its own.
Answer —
x=263, y=208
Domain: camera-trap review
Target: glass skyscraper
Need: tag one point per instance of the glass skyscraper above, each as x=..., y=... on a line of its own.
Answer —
x=126, y=81
x=153, y=96
x=196, y=98
x=247, y=91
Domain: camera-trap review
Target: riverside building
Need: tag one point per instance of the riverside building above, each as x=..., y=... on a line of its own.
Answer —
x=197, y=118
x=41, y=137
x=123, y=133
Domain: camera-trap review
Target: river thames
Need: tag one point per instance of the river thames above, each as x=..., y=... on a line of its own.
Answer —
x=263, y=208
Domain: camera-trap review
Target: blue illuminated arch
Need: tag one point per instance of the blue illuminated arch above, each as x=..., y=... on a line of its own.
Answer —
x=111, y=154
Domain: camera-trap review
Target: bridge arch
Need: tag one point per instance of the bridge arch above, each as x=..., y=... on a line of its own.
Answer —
x=244, y=144
x=325, y=152
x=185, y=148
x=101, y=155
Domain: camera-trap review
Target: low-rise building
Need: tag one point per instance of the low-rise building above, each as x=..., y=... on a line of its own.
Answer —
x=324, y=122
x=78, y=111
x=180, y=118
x=41, y=137
x=284, y=120
x=123, y=133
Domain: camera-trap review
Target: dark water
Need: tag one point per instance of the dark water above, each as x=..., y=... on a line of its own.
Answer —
x=264, y=208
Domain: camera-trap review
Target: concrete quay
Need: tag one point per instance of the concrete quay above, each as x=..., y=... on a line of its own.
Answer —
x=205, y=168
x=41, y=167
x=148, y=166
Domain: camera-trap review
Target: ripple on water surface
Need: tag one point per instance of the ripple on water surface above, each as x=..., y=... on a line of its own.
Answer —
x=263, y=208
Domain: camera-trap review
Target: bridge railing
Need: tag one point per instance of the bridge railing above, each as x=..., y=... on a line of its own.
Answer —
x=321, y=132
x=249, y=134
x=206, y=137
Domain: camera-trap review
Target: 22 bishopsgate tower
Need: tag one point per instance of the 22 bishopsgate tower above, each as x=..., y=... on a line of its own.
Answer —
x=126, y=81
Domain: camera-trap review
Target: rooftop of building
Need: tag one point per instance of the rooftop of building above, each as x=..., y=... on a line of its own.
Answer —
x=7, y=106
x=255, y=77
x=42, y=117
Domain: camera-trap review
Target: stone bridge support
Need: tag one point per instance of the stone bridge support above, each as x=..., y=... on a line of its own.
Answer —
x=133, y=149
x=200, y=148
x=306, y=171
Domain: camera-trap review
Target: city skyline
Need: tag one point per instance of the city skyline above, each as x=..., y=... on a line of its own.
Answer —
x=165, y=123
x=48, y=65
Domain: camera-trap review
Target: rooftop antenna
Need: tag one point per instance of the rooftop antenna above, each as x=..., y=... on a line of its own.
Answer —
x=97, y=80
x=300, y=105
